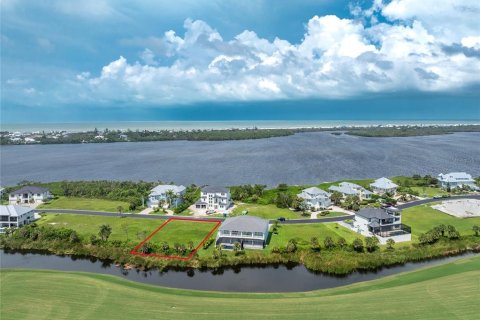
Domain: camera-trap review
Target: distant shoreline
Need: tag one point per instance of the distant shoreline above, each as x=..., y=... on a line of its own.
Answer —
x=113, y=136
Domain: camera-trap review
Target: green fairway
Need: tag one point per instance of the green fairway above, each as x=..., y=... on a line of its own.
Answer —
x=183, y=231
x=423, y=218
x=302, y=233
x=122, y=228
x=85, y=204
x=449, y=291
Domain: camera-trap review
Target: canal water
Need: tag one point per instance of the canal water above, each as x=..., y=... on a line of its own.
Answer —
x=281, y=278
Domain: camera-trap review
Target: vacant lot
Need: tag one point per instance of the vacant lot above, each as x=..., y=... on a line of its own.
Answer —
x=183, y=231
x=441, y=292
x=85, y=204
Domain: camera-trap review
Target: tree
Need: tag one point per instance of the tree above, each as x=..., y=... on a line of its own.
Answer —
x=120, y=209
x=237, y=248
x=105, y=232
x=476, y=230
x=442, y=228
x=283, y=200
x=336, y=198
x=357, y=245
x=170, y=196
x=74, y=238
x=390, y=244
x=282, y=187
x=302, y=206
x=371, y=243
x=314, y=244
x=423, y=239
x=341, y=243
x=291, y=245
x=328, y=243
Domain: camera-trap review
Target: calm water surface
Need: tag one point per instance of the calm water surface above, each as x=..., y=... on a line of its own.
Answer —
x=245, y=279
x=306, y=158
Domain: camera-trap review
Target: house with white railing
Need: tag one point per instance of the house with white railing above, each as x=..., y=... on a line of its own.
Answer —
x=455, y=180
x=250, y=232
x=384, y=185
x=214, y=198
x=351, y=189
x=315, y=198
x=166, y=195
x=29, y=194
x=13, y=216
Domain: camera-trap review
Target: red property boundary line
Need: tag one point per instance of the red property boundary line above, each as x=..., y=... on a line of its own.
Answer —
x=136, y=253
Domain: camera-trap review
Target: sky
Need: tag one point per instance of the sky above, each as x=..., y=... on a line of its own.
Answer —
x=65, y=60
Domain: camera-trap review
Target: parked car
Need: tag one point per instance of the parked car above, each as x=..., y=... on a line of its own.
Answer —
x=281, y=219
x=437, y=196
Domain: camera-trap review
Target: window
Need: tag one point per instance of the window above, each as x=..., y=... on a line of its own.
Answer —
x=13, y=218
x=226, y=232
x=258, y=234
x=247, y=234
x=3, y=218
x=235, y=233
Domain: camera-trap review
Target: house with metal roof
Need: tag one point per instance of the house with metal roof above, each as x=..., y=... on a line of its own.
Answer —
x=384, y=185
x=166, y=195
x=315, y=198
x=384, y=223
x=251, y=232
x=15, y=216
x=214, y=198
x=351, y=189
x=29, y=194
x=454, y=180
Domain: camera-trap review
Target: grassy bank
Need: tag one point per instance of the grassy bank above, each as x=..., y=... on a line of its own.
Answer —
x=445, y=291
x=85, y=204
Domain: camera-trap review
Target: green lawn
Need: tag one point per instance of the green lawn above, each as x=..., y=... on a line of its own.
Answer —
x=269, y=211
x=449, y=291
x=429, y=192
x=181, y=231
x=133, y=228
x=422, y=218
x=85, y=204
x=302, y=233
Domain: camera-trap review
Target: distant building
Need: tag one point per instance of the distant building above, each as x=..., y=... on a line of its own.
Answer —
x=383, y=223
x=251, y=232
x=15, y=216
x=454, y=180
x=214, y=198
x=1, y=191
x=384, y=185
x=29, y=194
x=160, y=195
x=351, y=189
x=315, y=198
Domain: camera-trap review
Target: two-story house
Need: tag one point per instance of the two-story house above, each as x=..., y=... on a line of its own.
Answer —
x=315, y=198
x=454, y=180
x=214, y=198
x=15, y=216
x=250, y=232
x=166, y=195
x=351, y=189
x=29, y=194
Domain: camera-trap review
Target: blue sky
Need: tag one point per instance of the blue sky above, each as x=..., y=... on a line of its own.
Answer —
x=66, y=60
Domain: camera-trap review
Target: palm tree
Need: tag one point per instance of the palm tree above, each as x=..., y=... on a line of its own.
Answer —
x=314, y=244
x=237, y=247
x=336, y=197
x=120, y=209
x=371, y=243
x=105, y=231
x=169, y=194
x=390, y=244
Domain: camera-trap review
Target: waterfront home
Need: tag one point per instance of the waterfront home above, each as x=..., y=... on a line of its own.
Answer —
x=251, y=232
x=166, y=195
x=214, y=198
x=29, y=194
x=384, y=185
x=1, y=191
x=454, y=180
x=383, y=223
x=15, y=216
x=315, y=198
x=351, y=189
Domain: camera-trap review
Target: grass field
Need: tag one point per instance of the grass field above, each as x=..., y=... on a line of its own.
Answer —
x=85, y=204
x=182, y=231
x=428, y=192
x=122, y=228
x=269, y=211
x=449, y=291
x=302, y=233
x=422, y=218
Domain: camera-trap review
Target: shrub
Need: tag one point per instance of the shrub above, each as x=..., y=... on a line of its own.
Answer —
x=357, y=245
x=328, y=243
x=207, y=243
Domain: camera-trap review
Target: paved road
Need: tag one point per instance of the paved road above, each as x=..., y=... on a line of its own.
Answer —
x=294, y=221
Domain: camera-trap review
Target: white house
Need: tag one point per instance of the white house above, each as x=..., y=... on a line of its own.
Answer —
x=15, y=216
x=162, y=194
x=1, y=191
x=251, y=232
x=385, y=223
x=454, y=180
x=384, y=185
x=29, y=194
x=214, y=198
x=351, y=189
x=315, y=198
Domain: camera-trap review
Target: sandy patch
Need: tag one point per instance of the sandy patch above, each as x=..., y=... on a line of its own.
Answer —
x=464, y=208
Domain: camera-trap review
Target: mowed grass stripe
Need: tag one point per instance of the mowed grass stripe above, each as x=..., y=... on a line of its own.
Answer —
x=182, y=231
x=450, y=291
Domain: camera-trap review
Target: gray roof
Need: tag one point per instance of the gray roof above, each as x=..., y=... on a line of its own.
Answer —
x=313, y=193
x=245, y=224
x=14, y=211
x=215, y=189
x=370, y=213
x=349, y=188
x=374, y=224
x=383, y=183
x=455, y=177
x=163, y=188
x=30, y=189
